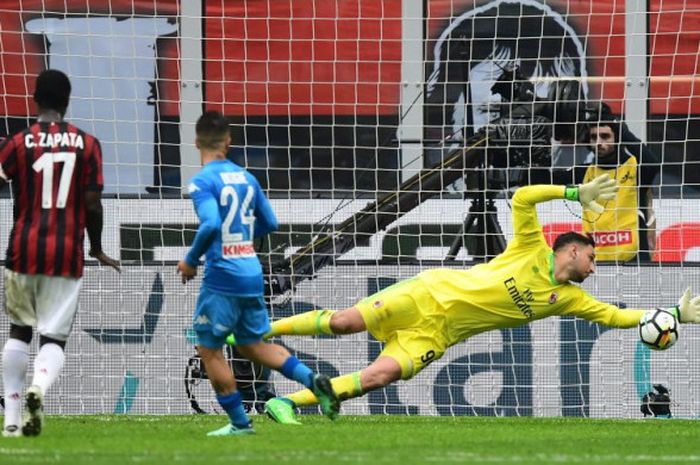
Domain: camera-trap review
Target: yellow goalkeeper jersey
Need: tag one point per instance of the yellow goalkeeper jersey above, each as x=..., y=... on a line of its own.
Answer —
x=518, y=286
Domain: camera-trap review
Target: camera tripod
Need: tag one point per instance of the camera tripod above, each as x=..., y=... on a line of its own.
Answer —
x=481, y=233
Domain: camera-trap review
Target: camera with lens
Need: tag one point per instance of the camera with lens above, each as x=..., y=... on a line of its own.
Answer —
x=521, y=136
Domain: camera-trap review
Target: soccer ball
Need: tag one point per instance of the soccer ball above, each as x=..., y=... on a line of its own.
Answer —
x=658, y=329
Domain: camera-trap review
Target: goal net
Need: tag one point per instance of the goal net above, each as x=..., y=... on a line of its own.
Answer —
x=350, y=115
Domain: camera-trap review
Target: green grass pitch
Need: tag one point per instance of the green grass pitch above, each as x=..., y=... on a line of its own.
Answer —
x=155, y=440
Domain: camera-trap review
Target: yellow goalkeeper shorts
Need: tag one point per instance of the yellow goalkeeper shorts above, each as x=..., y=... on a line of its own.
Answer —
x=406, y=318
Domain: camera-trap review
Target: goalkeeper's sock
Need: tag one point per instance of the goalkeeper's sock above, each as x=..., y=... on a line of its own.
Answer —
x=306, y=324
x=348, y=386
x=48, y=365
x=294, y=369
x=15, y=360
x=233, y=406
x=302, y=398
x=345, y=386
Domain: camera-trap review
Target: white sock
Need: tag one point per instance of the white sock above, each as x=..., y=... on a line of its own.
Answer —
x=15, y=359
x=47, y=366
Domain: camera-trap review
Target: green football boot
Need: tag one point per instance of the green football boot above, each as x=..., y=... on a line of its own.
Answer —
x=281, y=411
x=323, y=390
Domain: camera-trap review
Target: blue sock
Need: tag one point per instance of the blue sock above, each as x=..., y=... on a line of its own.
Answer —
x=294, y=369
x=234, y=408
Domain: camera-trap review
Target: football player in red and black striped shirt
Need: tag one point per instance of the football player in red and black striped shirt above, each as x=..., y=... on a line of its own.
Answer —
x=55, y=170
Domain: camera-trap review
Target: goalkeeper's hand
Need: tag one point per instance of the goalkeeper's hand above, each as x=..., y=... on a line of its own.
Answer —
x=602, y=188
x=689, y=308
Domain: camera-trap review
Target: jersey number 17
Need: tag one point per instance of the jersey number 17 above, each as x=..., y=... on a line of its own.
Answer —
x=45, y=165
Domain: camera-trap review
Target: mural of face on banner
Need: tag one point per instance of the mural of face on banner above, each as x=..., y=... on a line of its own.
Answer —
x=474, y=49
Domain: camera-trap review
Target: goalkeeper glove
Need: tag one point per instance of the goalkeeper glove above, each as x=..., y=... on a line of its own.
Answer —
x=688, y=310
x=601, y=188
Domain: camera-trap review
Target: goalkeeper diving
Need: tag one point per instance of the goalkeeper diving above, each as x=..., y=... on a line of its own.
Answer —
x=419, y=318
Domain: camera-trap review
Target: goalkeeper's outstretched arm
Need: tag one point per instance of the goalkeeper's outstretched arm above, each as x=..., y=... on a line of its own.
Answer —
x=525, y=222
x=587, y=307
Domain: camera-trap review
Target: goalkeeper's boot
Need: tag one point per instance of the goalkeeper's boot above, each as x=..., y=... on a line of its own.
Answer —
x=231, y=430
x=34, y=406
x=327, y=399
x=12, y=431
x=281, y=411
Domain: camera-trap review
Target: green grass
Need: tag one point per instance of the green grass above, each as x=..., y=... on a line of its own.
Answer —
x=125, y=439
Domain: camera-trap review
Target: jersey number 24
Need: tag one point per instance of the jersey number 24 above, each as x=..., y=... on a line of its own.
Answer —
x=229, y=197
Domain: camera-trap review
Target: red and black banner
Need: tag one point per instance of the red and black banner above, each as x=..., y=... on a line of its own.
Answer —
x=313, y=87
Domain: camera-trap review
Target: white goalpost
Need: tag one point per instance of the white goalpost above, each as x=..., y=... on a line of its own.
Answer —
x=333, y=106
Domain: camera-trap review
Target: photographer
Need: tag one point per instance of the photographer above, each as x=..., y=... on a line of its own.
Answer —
x=627, y=228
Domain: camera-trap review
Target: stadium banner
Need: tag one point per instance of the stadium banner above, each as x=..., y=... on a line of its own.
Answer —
x=313, y=84
x=132, y=340
x=160, y=229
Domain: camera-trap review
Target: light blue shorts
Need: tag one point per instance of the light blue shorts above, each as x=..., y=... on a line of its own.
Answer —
x=218, y=315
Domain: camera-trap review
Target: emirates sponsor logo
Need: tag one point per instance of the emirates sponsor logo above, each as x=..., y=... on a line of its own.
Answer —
x=603, y=238
x=520, y=299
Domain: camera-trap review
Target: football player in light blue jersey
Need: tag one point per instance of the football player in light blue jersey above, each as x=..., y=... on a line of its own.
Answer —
x=232, y=211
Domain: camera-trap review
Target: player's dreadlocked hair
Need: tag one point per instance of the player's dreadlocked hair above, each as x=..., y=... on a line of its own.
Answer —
x=52, y=91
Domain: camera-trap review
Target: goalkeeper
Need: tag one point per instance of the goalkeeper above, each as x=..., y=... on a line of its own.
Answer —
x=419, y=318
